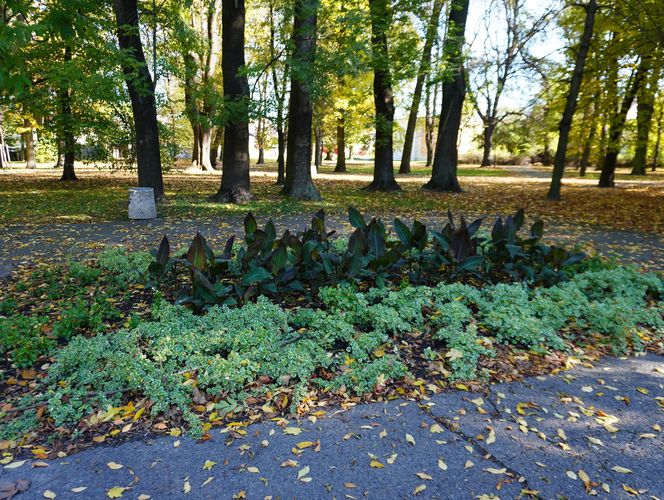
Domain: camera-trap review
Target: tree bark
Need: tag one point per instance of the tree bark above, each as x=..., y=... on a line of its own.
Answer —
x=425, y=64
x=141, y=93
x=29, y=140
x=383, y=178
x=299, y=183
x=341, y=145
x=429, y=121
x=658, y=140
x=67, y=128
x=235, y=182
x=487, y=144
x=280, y=96
x=645, y=109
x=444, y=170
x=214, y=150
x=571, y=101
x=617, y=125
x=318, y=154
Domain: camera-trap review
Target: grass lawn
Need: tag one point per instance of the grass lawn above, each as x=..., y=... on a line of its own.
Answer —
x=39, y=198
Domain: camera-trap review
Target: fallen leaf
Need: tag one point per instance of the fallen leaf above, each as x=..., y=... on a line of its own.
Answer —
x=493, y=470
x=376, y=464
x=441, y=464
x=15, y=465
x=410, y=439
x=419, y=489
x=303, y=472
x=79, y=489
x=253, y=470
x=186, y=487
x=49, y=494
x=115, y=492
x=423, y=475
x=622, y=470
x=436, y=429
x=293, y=431
x=114, y=466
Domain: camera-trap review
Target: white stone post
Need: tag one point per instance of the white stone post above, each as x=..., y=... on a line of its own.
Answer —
x=141, y=203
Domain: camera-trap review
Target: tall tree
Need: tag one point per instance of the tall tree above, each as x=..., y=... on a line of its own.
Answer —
x=383, y=177
x=201, y=59
x=67, y=126
x=617, y=124
x=645, y=109
x=235, y=182
x=500, y=63
x=425, y=64
x=141, y=93
x=444, y=169
x=299, y=183
x=572, y=97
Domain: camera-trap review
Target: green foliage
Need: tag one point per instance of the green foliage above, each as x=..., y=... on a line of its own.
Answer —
x=309, y=260
x=126, y=267
x=350, y=342
x=23, y=339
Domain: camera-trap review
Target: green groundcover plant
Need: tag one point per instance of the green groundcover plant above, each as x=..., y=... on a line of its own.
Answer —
x=351, y=341
x=309, y=313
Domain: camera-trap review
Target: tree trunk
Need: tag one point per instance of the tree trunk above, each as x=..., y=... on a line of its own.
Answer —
x=205, y=152
x=67, y=129
x=341, y=145
x=281, y=160
x=298, y=183
x=444, y=170
x=318, y=153
x=587, y=149
x=571, y=101
x=658, y=141
x=29, y=140
x=235, y=183
x=141, y=93
x=429, y=122
x=383, y=178
x=617, y=125
x=214, y=150
x=61, y=155
x=425, y=63
x=487, y=144
x=328, y=155
x=645, y=110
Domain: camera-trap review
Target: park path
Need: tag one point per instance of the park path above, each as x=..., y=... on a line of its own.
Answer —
x=27, y=244
x=590, y=430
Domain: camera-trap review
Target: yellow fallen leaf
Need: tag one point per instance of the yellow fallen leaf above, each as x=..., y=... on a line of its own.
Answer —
x=15, y=465
x=186, y=487
x=436, y=429
x=410, y=439
x=253, y=470
x=143, y=496
x=571, y=475
x=209, y=464
x=114, y=466
x=584, y=477
x=643, y=390
x=441, y=464
x=595, y=441
x=423, y=475
x=647, y=435
x=468, y=464
x=208, y=481
x=350, y=485
x=79, y=489
x=493, y=470
x=392, y=458
x=39, y=464
x=138, y=414
x=622, y=470
x=175, y=432
x=293, y=431
x=376, y=464
x=419, y=489
x=630, y=490
x=305, y=444
x=491, y=438
x=115, y=492
x=49, y=494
